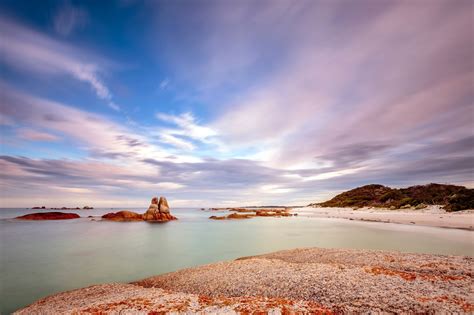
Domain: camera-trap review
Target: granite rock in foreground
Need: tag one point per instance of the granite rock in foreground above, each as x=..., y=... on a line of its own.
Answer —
x=340, y=280
x=309, y=280
x=120, y=298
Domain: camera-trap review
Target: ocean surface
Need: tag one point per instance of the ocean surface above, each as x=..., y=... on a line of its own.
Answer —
x=39, y=258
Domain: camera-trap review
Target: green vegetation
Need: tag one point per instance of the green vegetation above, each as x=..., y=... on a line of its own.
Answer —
x=453, y=198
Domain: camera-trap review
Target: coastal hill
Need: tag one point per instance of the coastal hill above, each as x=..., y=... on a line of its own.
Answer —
x=451, y=197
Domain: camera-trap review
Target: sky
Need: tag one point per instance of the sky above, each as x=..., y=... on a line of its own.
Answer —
x=231, y=103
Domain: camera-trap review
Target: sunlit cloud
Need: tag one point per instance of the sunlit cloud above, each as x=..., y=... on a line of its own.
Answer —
x=186, y=131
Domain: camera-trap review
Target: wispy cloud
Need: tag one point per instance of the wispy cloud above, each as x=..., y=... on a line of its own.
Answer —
x=164, y=84
x=70, y=18
x=186, y=130
x=35, y=135
x=34, y=52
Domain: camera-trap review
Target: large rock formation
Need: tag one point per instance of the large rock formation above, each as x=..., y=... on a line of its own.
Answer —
x=158, y=211
x=49, y=216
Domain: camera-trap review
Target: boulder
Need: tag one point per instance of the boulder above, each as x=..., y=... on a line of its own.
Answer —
x=214, y=217
x=163, y=205
x=421, y=206
x=49, y=216
x=123, y=216
x=153, y=209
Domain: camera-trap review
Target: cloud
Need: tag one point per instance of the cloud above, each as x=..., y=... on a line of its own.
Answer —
x=302, y=100
x=34, y=52
x=35, y=135
x=70, y=18
x=164, y=84
x=169, y=185
x=93, y=132
x=169, y=138
x=187, y=130
x=387, y=76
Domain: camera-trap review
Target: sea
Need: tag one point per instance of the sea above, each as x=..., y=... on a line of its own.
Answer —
x=40, y=258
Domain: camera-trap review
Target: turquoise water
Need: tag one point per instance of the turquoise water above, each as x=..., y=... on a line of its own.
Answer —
x=39, y=258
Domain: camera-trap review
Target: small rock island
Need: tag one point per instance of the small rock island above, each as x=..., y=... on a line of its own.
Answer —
x=158, y=211
x=49, y=216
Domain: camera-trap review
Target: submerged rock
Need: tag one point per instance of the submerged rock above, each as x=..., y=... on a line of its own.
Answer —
x=49, y=216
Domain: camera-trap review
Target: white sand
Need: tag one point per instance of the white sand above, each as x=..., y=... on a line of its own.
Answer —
x=430, y=216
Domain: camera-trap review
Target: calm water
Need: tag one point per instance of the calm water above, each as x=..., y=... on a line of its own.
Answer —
x=44, y=257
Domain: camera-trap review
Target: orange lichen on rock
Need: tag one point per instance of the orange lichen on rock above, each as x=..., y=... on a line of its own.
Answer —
x=262, y=305
x=466, y=306
x=410, y=276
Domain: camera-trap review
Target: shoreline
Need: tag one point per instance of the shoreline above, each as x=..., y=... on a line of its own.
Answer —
x=432, y=216
x=298, y=280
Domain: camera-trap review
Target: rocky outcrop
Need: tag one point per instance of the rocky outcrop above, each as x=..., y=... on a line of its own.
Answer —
x=123, y=216
x=49, y=216
x=244, y=213
x=163, y=205
x=158, y=211
x=298, y=281
x=341, y=280
x=272, y=213
x=232, y=216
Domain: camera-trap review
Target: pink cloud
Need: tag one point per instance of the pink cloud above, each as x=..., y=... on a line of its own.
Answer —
x=34, y=135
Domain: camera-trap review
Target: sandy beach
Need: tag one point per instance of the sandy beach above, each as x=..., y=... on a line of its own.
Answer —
x=430, y=216
x=301, y=280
